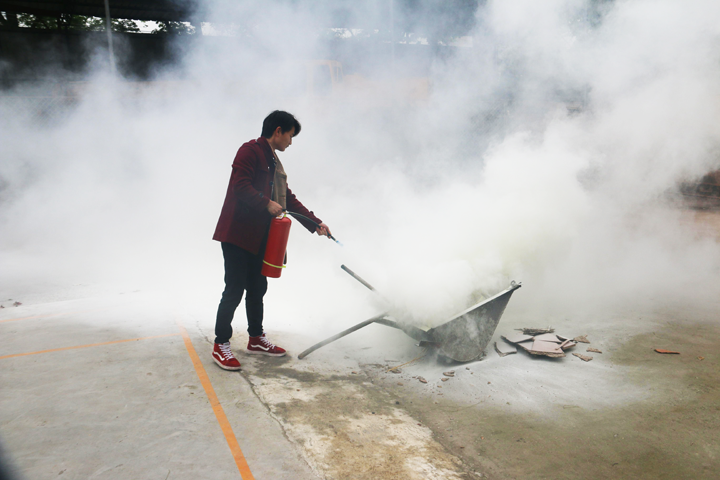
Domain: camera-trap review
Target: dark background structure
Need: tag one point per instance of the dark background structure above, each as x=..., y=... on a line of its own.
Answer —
x=158, y=10
x=57, y=39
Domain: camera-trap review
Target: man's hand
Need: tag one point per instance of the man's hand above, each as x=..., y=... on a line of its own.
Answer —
x=323, y=229
x=274, y=208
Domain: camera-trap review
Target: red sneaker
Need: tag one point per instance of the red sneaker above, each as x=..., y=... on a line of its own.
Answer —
x=262, y=346
x=224, y=357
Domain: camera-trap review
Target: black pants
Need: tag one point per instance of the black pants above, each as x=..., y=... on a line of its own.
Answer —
x=242, y=274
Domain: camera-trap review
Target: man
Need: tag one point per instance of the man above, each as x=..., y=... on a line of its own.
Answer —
x=257, y=192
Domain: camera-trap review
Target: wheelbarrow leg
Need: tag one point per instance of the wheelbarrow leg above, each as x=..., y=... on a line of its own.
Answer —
x=340, y=335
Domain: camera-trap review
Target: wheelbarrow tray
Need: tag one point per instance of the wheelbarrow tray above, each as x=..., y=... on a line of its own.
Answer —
x=463, y=338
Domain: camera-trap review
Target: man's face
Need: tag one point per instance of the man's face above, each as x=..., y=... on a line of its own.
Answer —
x=283, y=140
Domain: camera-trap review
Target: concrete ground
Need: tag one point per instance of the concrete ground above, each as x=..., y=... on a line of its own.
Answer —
x=122, y=385
x=101, y=389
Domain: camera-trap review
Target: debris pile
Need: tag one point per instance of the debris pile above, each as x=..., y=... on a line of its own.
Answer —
x=542, y=342
x=15, y=304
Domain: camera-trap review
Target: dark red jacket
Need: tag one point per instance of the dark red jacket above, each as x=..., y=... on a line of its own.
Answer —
x=244, y=219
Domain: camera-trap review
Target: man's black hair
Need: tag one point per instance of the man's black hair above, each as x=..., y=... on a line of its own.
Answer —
x=281, y=119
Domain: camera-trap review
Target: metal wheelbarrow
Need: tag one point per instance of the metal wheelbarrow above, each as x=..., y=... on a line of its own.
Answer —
x=463, y=338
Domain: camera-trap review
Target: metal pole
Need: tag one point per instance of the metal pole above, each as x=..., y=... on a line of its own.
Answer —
x=357, y=277
x=392, y=35
x=393, y=71
x=340, y=335
x=108, y=28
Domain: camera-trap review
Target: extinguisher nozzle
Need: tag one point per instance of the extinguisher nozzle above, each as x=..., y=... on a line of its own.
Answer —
x=294, y=214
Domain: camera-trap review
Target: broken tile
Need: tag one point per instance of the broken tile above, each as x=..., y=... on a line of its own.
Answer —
x=583, y=357
x=562, y=339
x=595, y=350
x=548, y=349
x=444, y=379
x=422, y=380
x=547, y=337
x=671, y=352
x=567, y=344
x=451, y=373
x=503, y=349
x=526, y=345
x=537, y=331
x=516, y=337
x=581, y=339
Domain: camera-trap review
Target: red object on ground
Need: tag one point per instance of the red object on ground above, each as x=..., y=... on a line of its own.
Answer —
x=660, y=350
x=276, y=246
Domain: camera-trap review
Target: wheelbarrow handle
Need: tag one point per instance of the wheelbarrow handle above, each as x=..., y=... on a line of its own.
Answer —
x=340, y=335
x=357, y=277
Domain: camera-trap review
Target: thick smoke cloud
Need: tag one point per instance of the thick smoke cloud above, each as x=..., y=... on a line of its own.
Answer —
x=543, y=154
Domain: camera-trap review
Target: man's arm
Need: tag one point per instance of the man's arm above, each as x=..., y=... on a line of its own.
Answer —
x=294, y=205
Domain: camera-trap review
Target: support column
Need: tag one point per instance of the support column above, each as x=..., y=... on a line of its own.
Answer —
x=108, y=28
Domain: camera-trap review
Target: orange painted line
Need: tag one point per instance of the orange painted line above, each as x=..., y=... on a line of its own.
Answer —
x=88, y=345
x=50, y=315
x=217, y=408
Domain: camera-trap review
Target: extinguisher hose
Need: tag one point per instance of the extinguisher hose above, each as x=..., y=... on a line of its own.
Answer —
x=296, y=215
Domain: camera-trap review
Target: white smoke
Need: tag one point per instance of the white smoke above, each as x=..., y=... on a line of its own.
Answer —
x=542, y=154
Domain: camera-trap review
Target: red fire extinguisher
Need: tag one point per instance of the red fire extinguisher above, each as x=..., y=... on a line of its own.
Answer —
x=276, y=246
